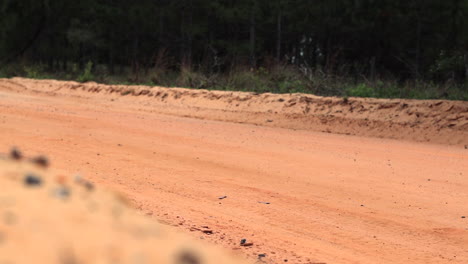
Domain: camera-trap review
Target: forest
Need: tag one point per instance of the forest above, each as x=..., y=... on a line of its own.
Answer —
x=386, y=48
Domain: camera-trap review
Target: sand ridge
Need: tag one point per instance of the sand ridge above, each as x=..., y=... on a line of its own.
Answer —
x=435, y=121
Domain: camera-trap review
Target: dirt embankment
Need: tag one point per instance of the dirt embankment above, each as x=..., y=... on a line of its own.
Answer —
x=49, y=217
x=435, y=121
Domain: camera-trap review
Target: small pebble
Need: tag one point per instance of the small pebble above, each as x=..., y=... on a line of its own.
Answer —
x=15, y=154
x=261, y=256
x=89, y=186
x=188, y=257
x=32, y=180
x=208, y=232
x=41, y=161
x=463, y=217
x=243, y=241
x=62, y=193
x=78, y=178
x=222, y=197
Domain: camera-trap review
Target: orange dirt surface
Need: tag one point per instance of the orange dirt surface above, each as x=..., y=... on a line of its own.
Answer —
x=298, y=195
x=62, y=219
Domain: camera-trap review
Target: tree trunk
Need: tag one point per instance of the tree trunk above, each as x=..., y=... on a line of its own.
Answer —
x=189, y=36
x=466, y=67
x=135, y=63
x=418, y=48
x=111, y=54
x=278, y=31
x=372, y=69
x=253, y=63
x=182, y=37
x=314, y=52
x=80, y=56
x=418, y=42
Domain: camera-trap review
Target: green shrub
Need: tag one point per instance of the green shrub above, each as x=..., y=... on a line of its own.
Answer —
x=294, y=86
x=87, y=74
x=35, y=72
x=361, y=90
x=193, y=79
x=248, y=81
x=287, y=79
x=3, y=73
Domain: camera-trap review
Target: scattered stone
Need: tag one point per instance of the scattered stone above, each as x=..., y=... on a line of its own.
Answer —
x=261, y=256
x=32, y=180
x=81, y=181
x=463, y=217
x=15, y=154
x=362, y=205
x=78, y=179
x=466, y=146
x=264, y=202
x=62, y=193
x=208, y=231
x=285, y=260
x=89, y=186
x=244, y=243
x=188, y=257
x=222, y=197
x=269, y=121
x=41, y=161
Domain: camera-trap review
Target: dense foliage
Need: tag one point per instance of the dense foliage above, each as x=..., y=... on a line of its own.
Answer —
x=362, y=42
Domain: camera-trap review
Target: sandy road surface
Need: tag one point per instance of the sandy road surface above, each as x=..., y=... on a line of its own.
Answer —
x=48, y=217
x=332, y=198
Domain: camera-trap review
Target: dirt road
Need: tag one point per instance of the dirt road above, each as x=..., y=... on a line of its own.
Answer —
x=300, y=196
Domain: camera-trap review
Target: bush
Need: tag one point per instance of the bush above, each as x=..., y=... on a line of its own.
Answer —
x=276, y=79
x=287, y=79
x=449, y=65
x=361, y=90
x=192, y=79
x=87, y=74
x=248, y=81
x=35, y=72
x=3, y=73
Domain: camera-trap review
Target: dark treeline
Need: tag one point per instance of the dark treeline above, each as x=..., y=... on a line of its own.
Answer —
x=360, y=40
